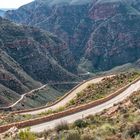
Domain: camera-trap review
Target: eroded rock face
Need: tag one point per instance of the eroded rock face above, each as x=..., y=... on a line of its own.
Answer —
x=68, y=21
x=114, y=44
x=13, y=80
x=104, y=11
x=104, y=32
x=41, y=55
x=28, y=55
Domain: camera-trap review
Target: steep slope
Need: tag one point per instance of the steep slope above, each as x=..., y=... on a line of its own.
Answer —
x=59, y=17
x=116, y=40
x=28, y=55
x=41, y=55
x=101, y=34
x=13, y=80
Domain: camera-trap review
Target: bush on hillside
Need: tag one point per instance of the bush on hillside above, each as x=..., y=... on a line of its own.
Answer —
x=80, y=123
x=72, y=135
x=26, y=135
x=62, y=126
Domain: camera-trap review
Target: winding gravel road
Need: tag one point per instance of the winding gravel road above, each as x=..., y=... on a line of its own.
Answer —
x=42, y=87
x=69, y=97
x=22, y=96
x=49, y=125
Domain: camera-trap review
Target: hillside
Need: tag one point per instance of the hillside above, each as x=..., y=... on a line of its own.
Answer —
x=100, y=34
x=29, y=55
x=14, y=81
x=36, y=51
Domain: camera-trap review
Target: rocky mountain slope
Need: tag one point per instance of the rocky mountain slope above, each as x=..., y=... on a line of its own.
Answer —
x=13, y=80
x=28, y=55
x=36, y=51
x=87, y=35
x=101, y=34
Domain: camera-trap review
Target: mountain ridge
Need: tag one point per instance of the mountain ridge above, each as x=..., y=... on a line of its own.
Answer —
x=77, y=24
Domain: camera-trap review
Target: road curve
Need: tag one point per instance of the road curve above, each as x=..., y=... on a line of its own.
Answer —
x=43, y=86
x=69, y=97
x=22, y=96
x=71, y=118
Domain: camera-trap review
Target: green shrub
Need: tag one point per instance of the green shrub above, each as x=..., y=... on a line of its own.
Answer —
x=72, y=102
x=96, y=120
x=106, y=129
x=72, y=135
x=80, y=123
x=133, y=131
x=26, y=135
x=62, y=126
x=62, y=108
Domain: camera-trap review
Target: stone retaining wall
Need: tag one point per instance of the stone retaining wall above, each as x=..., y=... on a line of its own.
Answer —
x=71, y=111
x=57, y=101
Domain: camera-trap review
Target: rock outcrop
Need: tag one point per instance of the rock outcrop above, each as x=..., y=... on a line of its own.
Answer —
x=104, y=33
